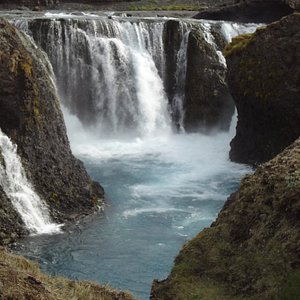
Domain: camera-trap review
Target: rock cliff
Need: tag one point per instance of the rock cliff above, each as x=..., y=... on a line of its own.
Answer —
x=252, y=250
x=264, y=79
x=208, y=103
x=30, y=115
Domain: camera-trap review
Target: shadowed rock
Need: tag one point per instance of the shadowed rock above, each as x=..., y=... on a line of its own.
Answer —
x=264, y=79
x=30, y=115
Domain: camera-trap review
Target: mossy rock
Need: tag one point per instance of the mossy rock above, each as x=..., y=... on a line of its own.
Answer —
x=31, y=116
x=252, y=250
x=263, y=77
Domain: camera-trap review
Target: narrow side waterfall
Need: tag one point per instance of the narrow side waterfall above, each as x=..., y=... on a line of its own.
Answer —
x=27, y=203
x=180, y=76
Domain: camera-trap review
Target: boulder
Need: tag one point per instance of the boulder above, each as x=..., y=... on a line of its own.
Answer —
x=30, y=115
x=252, y=250
x=264, y=80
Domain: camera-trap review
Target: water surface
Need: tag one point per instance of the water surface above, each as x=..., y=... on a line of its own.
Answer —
x=161, y=191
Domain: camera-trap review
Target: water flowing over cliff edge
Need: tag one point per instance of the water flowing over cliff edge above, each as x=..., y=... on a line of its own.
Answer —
x=162, y=187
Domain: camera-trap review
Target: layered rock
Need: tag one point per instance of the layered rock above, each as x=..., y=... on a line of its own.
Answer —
x=208, y=103
x=262, y=11
x=252, y=251
x=30, y=115
x=263, y=76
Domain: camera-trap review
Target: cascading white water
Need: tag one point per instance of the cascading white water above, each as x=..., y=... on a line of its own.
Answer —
x=32, y=209
x=113, y=72
x=180, y=76
x=230, y=30
x=162, y=189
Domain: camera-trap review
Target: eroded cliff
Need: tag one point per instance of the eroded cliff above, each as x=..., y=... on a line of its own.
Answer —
x=30, y=115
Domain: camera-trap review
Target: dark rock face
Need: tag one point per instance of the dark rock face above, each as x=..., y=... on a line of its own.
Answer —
x=11, y=224
x=30, y=115
x=172, y=39
x=264, y=79
x=260, y=11
x=252, y=251
x=208, y=103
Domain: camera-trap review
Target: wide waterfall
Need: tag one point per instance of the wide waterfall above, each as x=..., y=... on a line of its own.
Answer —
x=122, y=85
x=13, y=180
x=112, y=73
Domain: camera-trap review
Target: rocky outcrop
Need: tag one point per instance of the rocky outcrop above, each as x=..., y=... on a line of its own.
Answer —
x=252, y=250
x=260, y=11
x=30, y=115
x=22, y=279
x=264, y=79
x=36, y=4
x=208, y=103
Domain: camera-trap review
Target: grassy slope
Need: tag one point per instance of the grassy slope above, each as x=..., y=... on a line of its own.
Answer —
x=22, y=279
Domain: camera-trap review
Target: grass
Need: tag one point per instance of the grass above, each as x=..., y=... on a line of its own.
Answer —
x=238, y=44
x=23, y=279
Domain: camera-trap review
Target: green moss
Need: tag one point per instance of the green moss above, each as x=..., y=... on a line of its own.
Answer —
x=293, y=180
x=238, y=44
x=291, y=290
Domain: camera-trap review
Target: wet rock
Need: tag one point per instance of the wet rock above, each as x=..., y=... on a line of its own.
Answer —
x=172, y=39
x=208, y=103
x=30, y=115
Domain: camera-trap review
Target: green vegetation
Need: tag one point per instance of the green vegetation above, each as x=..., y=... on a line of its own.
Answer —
x=291, y=290
x=22, y=279
x=238, y=44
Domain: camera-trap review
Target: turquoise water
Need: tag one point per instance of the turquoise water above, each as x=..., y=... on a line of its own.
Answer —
x=161, y=191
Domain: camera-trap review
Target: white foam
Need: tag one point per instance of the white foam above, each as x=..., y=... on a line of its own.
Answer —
x=32, y=209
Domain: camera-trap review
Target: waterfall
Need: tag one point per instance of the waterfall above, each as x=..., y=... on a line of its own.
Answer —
x=180, y=76
x=108, y=73
x=27, y=203
x=115, y=74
